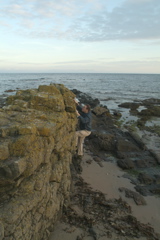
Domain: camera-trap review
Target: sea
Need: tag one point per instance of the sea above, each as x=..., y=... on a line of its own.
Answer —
x=110, y=88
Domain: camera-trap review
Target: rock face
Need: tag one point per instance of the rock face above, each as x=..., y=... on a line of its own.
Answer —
x=86, y=99
x=36, y=145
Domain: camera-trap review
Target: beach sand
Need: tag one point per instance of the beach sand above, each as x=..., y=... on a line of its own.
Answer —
x=107, y=178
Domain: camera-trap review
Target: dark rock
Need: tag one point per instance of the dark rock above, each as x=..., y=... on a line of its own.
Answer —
x=156, y=155
x=149, y=189
x=137, y=139
x=98, y=111
x=145, y=178
x=125, y=163
x=139, y=200
x=85, y=98
x=143, y=190
x=155, y=189
x=121, y=155
x=10, y=90
x=102, y=141
x=157, y=179
x=151, y=101
x=146, y=161
x=76, y=160
x=89, y=161
x=132, y=179
x=151, y=111
x=129, y=105
x=117, y=114
x=98, y=160
x=123, y=145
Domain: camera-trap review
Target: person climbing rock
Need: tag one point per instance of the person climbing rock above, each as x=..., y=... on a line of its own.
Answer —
x=84, y=115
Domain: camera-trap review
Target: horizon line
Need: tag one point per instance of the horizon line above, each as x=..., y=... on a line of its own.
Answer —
x=72, y=73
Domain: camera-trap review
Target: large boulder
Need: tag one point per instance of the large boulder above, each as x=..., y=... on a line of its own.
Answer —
x=37, y=140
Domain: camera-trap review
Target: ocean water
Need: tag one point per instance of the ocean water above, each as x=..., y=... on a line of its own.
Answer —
x=111, y=89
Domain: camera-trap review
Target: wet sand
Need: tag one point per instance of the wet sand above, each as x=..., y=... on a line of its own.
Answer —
x=109, y=178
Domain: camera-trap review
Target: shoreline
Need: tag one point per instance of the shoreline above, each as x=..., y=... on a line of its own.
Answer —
x=109, y=178
x=100, y=172
x=101, y=175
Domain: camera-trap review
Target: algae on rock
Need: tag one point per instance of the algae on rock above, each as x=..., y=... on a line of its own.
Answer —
x=37, y=140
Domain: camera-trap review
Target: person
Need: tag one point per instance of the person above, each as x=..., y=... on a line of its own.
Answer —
x=84, y=116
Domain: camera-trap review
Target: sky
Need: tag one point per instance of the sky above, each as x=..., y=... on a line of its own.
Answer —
x=80, y=36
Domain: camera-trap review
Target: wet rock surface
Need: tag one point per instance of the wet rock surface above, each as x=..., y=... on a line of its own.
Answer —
x=131, y=149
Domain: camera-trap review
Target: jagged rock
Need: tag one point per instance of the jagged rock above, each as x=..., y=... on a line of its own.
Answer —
x=137, y=139
x=145, y=161
x=145, y=178
x=139, y=200
x=143, y=190
x=123, y=145
x=37, y=140
x=85, y=98
x=125, y=163
x=102, y=141
x=151, y=111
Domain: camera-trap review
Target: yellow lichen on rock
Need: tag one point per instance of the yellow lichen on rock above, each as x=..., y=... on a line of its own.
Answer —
x=37, y=140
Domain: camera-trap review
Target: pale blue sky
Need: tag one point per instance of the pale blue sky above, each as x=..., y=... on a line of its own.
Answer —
x=112, y=36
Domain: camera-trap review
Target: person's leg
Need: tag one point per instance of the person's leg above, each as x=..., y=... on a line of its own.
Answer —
x=80, y=146
x=80, y=136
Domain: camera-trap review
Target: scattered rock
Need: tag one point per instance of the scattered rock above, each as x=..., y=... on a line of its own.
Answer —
x=139, y=200
x=10, y=90
x=129, y=105
x=117, y=114
x=89, y=161
x=143, y=190
x=125, y=163
x=124, y=145
x=145, y=178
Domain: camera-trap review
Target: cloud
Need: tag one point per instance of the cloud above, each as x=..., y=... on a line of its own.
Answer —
x=4, y=24
x=16, y=10
x=87, y=20
x=133, y=20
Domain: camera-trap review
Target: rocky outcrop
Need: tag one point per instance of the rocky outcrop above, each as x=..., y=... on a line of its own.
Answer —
x=36, y=145
x=86, y=99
